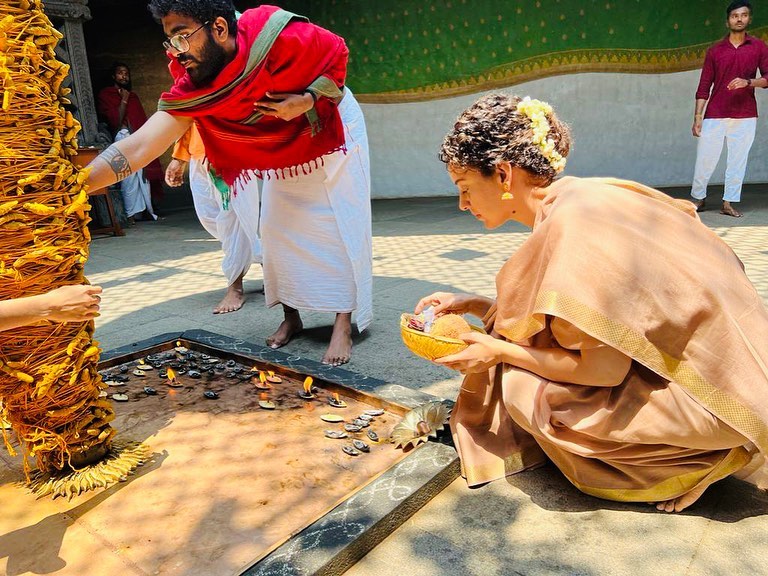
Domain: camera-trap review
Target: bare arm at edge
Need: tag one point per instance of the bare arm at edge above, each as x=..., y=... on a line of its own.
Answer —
x=123, y=158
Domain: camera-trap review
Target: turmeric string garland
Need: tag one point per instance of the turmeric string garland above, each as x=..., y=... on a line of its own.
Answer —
x=50, y=389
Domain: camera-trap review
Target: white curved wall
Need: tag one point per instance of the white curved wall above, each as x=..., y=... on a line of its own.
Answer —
x=635, y=126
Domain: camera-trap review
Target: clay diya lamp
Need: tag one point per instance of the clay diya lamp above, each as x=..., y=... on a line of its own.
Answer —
x=261, y=382
x=264, y=403
x=172, y=381
x=307, y=393
x=144, y=366
x=332, y=418
x=360, y=445
x=336, y=402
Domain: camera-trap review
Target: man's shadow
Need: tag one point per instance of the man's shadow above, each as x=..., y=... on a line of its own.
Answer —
x=36, y=549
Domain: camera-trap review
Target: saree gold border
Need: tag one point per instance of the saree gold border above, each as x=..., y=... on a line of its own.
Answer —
x=511, y=464
x=673, y=487
x=728, y=409
x=553, y=64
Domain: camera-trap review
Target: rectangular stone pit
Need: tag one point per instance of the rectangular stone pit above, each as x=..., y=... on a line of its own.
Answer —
x=233, y=488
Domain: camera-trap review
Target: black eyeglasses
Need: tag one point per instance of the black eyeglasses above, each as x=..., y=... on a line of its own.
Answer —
x=179, y=43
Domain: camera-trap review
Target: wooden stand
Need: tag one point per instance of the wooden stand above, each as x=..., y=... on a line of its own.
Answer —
x=83, y=158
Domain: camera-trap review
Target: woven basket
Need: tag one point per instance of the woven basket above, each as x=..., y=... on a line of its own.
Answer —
x=428, y=346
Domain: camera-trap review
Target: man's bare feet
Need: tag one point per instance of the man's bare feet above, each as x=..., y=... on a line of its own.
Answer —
x=729, y=210
x=340, y=347
x=288, y=328
x=233, y=300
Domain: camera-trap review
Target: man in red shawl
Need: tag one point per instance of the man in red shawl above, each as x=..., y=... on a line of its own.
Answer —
x=121, y=108
x=267, y=95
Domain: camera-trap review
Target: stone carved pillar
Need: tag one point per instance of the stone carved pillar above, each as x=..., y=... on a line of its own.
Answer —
x=68, y=16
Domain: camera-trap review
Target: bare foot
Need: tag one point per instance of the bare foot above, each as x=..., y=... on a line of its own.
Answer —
x=682, y=502
x=233, y=300
x=736, y=459
x=340, y=347
x=729, y=210
x=699, y=203
x=288, y=328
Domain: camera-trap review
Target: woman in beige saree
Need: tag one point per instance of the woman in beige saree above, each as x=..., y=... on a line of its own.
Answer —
x=626, y=344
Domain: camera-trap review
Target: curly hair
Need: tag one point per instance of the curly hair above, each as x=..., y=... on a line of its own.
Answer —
x=200, y=10
x=492, y=131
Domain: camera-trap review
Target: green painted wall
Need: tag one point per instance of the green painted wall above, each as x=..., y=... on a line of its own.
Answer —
x=404, y=50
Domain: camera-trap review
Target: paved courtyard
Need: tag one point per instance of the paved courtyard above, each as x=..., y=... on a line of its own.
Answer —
x=165, y=276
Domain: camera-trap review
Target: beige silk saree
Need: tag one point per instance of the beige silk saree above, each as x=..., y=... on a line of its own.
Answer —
x=614, y=263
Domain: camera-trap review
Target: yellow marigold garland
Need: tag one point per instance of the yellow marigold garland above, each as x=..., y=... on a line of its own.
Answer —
x=50, y=389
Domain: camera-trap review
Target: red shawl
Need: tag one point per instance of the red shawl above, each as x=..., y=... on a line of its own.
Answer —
x=108, y=103
x=276, y=52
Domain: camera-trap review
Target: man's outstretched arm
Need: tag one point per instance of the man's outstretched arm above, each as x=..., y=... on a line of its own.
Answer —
x=137, y=150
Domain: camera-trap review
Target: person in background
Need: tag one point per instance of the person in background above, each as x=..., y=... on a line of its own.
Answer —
x=727, y=89
x=121, y=108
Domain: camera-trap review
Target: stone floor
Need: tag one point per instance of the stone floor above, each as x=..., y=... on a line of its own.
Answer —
x=164, y=276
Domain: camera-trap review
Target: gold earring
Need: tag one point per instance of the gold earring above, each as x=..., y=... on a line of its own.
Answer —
x=506, y=195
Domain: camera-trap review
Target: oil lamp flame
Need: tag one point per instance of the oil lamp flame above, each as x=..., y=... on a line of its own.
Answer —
x=262, y=377
x=308, y=384
x=171, y=375
x=336, y=397
x=263, y=396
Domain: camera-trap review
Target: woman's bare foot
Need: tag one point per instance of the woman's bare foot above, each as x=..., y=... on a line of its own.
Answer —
x=681, y=502
x=288, y=328
x=233, y=300
x=735, y=460
x=340, y=347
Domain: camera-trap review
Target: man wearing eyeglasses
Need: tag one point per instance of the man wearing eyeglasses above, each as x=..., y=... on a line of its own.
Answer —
x=267, y=95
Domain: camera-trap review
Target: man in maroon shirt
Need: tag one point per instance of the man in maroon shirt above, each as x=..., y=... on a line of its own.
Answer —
x=728, y=80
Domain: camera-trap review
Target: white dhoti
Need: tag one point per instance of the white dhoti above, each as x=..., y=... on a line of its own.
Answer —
x=135, y=188
x=237, y=227
x=316, y=230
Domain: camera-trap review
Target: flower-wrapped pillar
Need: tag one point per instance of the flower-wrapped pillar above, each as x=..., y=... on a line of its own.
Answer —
x=51, y=392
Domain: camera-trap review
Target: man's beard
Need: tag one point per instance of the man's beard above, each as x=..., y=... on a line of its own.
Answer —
x=211, y=62
x=124, y=85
